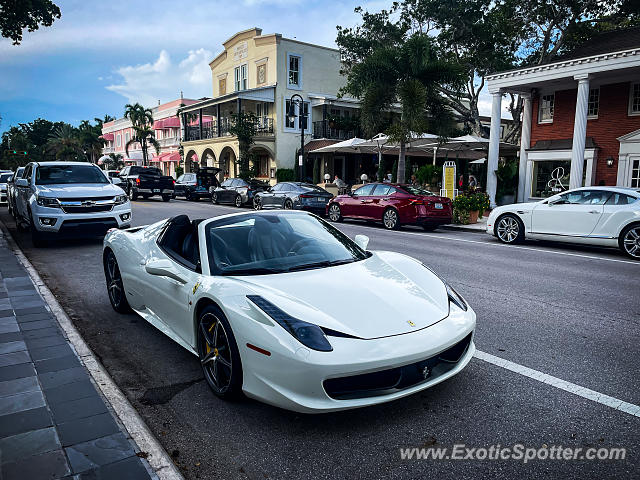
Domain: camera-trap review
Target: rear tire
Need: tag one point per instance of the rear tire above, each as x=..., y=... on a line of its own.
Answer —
x=214, y=198
x=335, y=215
x=238, y=201
x=390, y=219
x=133, y=195
x=115, y=287
x=288, y=204
x=629, y=241
x=219, y=355
x=509, y=229
x=166, y=198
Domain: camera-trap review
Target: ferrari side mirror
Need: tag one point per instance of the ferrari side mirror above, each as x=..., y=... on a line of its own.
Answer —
x=362, y=241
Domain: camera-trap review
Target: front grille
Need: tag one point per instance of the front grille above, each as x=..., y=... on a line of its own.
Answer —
x=91, y=209
x=385, y=382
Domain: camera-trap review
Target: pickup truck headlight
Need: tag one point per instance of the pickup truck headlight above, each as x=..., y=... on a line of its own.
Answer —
x=120, y=199
x=48, y=202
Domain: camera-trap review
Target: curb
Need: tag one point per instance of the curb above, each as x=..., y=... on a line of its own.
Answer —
x=463, y=228
x=133, y=423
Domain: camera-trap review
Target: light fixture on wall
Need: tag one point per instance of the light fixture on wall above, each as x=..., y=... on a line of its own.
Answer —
x=610, y=162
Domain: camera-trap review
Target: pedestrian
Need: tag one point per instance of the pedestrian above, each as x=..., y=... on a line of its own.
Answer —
x=414, y=180
x=473, y=183
x=339, y=182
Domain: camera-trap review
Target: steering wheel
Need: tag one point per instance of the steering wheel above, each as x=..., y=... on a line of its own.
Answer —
x=223, y=259
x=299, y=244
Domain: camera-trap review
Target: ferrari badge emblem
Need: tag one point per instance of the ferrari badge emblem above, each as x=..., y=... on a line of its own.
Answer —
x=411, y=323
x=195, y=287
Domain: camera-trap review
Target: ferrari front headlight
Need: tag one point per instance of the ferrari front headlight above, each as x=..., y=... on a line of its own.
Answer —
x=308, y=334
x=455, y=297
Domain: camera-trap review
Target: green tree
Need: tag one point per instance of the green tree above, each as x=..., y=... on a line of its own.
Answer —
x=16, y=15
x=115, y=162
x=101, y=121
x=142, y=120
x=409, y=73
x=90, y=140
x=65, y=145
x=243, y=126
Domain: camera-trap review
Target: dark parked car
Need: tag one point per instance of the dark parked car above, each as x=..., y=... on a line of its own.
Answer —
x=237, y=191
x=294, y=195
x=5, y=177
x=393, y=205
x=146, y=182
x=11, y=190
x=194, y=186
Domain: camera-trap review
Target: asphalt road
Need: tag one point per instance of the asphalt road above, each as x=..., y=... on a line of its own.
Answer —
x=571, y=312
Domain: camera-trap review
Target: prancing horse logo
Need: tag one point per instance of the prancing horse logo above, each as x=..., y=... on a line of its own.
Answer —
x=411, y=323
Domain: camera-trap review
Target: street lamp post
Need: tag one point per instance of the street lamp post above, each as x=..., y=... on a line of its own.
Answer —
x=301, y=115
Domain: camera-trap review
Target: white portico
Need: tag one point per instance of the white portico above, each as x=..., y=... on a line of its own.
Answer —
x=570, y=104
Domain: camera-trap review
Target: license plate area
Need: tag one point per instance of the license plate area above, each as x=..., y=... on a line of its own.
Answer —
x=156, y=190
x=438, y=206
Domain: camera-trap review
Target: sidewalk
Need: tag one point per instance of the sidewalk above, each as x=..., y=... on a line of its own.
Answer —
x=479, y=227
x=53, y=422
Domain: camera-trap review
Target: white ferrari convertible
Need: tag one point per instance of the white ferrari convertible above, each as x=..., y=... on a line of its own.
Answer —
x=283, y=307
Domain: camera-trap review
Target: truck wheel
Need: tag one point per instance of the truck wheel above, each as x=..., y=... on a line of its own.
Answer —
x=37, y=238
x=133, y=195
x=166, y=198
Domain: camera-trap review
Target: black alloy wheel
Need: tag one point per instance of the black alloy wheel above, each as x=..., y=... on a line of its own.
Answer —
x=257, y=203
x=288, y=204
x=238, y=201
x=219, y=354
x=390, y=219
x=115, y=287
x=335, y=215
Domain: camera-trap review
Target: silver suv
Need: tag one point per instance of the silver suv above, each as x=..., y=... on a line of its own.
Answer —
x=69, y=199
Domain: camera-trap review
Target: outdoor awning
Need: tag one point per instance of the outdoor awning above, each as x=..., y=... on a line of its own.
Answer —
x=171, y=122
x=158, y=125
x=107, y=136
x=346, y=146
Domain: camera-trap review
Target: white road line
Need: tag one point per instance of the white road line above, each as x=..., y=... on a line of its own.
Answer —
x=491, y=244
x=583, y=392
x=138, y=430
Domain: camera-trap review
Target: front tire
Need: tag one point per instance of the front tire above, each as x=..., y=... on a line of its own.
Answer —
x=335, y=215
x=166, y=198
x=219, y=355
x=214, y=198
x=115, y=287
x=257, y=203
x=390, y=219
x=37, y=237
x=509, y=229
x=630, y=241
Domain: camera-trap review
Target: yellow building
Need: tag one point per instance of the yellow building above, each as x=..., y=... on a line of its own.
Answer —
x=260, y=73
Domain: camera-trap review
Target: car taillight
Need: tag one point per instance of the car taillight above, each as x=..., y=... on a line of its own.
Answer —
x=174, y=182
x=416, y=201
x=137, y=181
x=305, y=195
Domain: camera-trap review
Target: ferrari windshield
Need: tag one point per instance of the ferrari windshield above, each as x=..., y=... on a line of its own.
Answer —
x=265, y=243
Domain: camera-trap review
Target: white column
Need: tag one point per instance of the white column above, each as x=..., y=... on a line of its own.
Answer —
x=494, y=147
x=579, y=131
x=525, y=143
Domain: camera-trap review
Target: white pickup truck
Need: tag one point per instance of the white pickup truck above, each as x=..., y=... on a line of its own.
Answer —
x=70, y=199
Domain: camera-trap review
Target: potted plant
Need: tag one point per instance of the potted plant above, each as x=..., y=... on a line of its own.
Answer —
x=482, y=202
x=462, y=206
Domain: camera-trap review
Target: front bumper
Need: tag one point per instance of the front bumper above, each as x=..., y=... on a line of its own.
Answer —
x=302, y=387
x=75, y=224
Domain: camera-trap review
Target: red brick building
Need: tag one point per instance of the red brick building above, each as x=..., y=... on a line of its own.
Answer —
x=581, y=119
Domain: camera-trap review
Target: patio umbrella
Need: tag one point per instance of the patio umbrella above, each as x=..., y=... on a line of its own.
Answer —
x=346, y=146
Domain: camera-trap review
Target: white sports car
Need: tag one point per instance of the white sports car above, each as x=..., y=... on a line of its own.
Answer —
x=284, y=307
x=607, y=216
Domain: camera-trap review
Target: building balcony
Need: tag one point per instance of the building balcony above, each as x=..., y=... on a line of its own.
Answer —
x=327, y=129
x=216, y=129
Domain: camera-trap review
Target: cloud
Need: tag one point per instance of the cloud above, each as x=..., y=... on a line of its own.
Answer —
x=484, y=105
x=163, y=79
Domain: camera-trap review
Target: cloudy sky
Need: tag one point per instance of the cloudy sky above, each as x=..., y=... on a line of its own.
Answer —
x=103, y=54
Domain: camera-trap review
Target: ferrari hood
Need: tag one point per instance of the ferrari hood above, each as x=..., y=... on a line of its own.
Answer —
x=386, y=294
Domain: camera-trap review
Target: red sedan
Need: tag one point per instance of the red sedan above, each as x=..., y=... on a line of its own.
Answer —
x=393, y=205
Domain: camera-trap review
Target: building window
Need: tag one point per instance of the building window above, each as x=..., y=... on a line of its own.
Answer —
x=294, y=71
x=634, y=99
x=549, y=177
x=222, y=86
x=295, y=125
x=118, y=140
x=241, y=77
x=546, y=108
x=261, y=74
x=635, y=174
x=594, y=103
x=126, y=138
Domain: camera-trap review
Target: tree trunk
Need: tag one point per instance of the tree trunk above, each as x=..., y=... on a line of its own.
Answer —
x=401, y=162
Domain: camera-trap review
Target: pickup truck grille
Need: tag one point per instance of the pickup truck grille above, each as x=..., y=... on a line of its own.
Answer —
x=87, y=205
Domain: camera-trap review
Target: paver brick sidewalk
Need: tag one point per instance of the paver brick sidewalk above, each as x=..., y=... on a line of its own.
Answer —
x=53, y=422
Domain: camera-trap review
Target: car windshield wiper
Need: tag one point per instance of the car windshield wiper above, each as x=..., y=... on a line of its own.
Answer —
x=322, y=264
x=252, y=271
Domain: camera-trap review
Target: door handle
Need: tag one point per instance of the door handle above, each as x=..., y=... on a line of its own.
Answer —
x=594, y=211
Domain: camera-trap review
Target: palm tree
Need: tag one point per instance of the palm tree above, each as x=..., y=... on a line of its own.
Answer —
x=409, y=74
x=64, y=144
x=90, y=140
x=101, y=121
x=144, y=136
x=115, y=162
x=142, y=120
